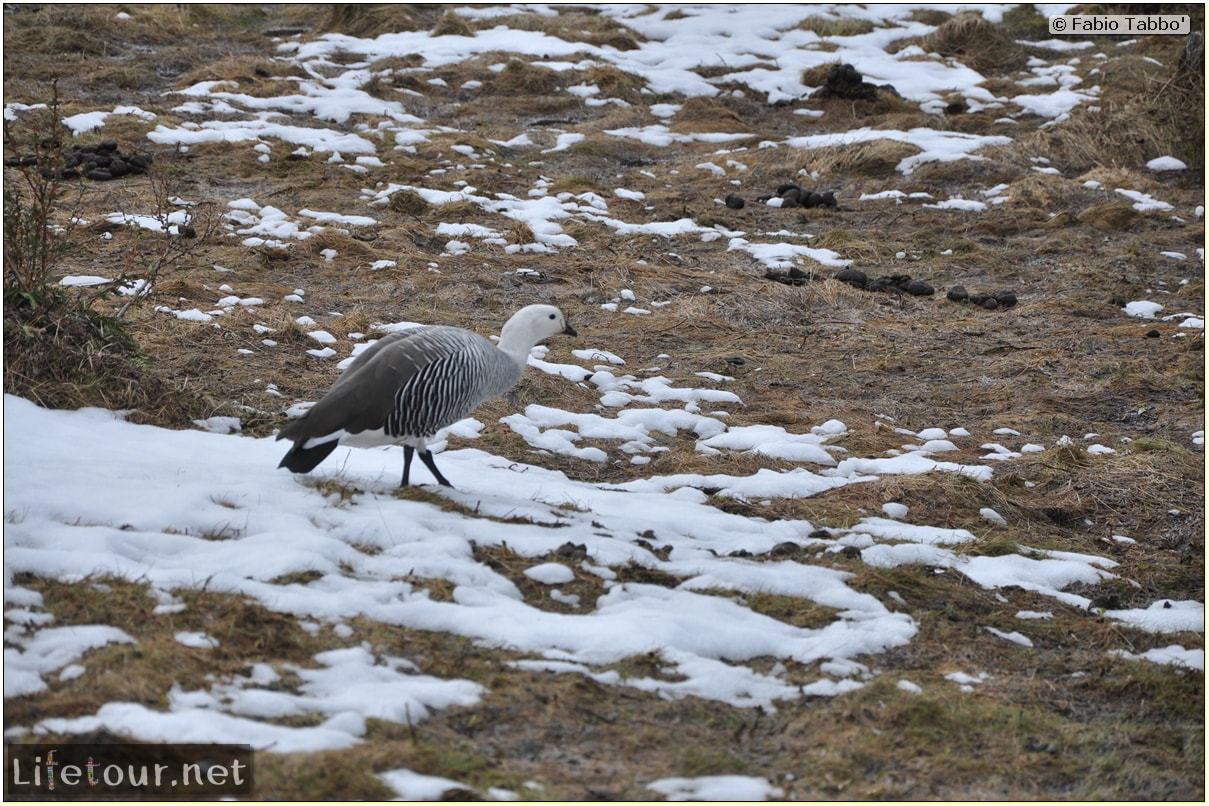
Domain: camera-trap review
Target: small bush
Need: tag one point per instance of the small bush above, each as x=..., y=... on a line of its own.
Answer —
x=34, y=239
x=60, y=352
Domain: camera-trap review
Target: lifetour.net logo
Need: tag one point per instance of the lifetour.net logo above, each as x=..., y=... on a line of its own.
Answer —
x=83, y=771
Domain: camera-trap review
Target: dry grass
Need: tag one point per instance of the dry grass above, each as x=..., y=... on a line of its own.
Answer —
x=250, y=75
x=875, y=158
x=615, y=83
x=975, y=42
x=1102, y=139
x=574, y=24
x=836, y=26
x=1062, y=720
x=708, y=114
x=1148, y=110
x=451, y=24
x=373, y=19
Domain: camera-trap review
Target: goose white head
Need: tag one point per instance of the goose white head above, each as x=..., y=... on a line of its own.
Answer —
x=531, y=326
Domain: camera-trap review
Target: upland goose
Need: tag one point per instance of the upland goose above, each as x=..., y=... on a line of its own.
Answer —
x=411, y=384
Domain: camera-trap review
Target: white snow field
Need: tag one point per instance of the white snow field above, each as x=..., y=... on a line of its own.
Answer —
x=89, y=496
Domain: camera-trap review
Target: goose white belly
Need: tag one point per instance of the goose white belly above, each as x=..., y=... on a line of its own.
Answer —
x=377, y=438
x=374, y=438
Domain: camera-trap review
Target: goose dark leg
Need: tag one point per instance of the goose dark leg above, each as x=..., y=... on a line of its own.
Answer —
x=426, y=458
x=408, y=452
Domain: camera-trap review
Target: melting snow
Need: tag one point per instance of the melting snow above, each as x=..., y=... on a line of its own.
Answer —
x=141, y=512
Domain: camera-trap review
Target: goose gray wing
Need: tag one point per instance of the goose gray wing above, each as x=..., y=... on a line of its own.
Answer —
x=408, y=384
x=367, y=355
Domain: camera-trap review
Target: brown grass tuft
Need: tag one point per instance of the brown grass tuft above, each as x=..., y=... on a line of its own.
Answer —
x=452, y=24
x=1048, y=192
x=615, y=83
x=251, y=75
x=930, y=16
x=1113, y=216
x=836, y=26
x=408, y=202
x=1118, y=137
x=873, y=158
x=345, y=245
x=708, y=114
x=70, y=358
x=979, y=44
x=372, y=19
x=519, y=76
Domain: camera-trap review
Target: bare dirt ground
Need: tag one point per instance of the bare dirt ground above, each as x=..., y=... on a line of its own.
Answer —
x=1061, y=721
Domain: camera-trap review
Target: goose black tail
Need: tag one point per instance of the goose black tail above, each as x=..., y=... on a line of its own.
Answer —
x=302, y=460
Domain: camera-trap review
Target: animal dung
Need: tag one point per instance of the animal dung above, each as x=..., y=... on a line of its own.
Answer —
x=99, y=162
x=902, y=283
x=991, y=302
x=845, y=81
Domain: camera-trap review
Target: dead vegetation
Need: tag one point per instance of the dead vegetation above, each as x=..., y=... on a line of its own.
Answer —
x=975, y=42
x=1062, y=720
